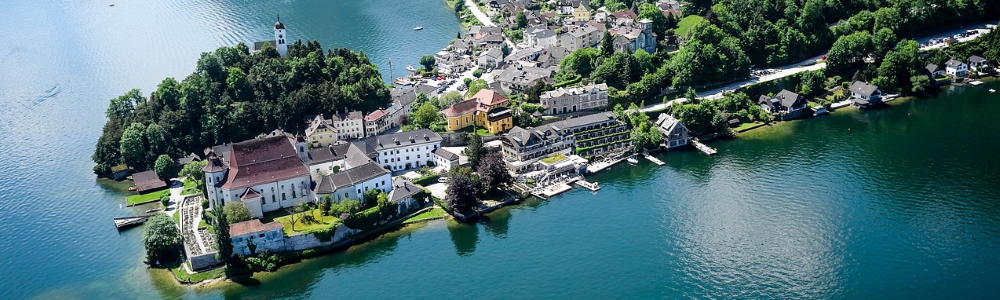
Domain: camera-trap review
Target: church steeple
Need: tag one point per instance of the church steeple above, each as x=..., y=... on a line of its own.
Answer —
x=280, y=38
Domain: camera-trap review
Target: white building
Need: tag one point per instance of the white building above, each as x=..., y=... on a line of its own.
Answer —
x=280, y=41
x=266, y=174
x=405, y=150
x=327, y=160
x=540, y=37
x=563, y=100
x=445, y=159
x=404, y=195
x=353, y=183
x=956, y=68
x=254, y=234
x=349, y=125
x=377, y=122
x=580, y=37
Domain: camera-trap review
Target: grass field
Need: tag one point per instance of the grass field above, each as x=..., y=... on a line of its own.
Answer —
x=324, y=221
x=182, y=275
x=434, y=213
x=136, y=199
x=684, y=25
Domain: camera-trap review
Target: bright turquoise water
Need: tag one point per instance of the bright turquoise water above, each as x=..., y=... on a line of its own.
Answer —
x=897, y=203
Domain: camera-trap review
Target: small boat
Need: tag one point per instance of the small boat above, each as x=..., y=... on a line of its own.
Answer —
x=993, y=91
x=417, y=28
x=819, y=110
x=411, y=68
x=148, y=211
x=632, y=160
x=126, y=222
x=112, y=5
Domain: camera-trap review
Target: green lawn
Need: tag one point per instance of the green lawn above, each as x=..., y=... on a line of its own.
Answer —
x=685, y=24
x=177, y=218
x=136, y=199
x=744, y=126
x=479, y=130
x=324, y=221
x=434, y=213
x=553, y=158
x=183, y=275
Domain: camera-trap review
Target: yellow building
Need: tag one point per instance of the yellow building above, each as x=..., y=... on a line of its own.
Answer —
x=581, y=13
x=487, y=109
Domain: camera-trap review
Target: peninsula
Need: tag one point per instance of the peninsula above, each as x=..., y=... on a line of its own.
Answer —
x=280, y=151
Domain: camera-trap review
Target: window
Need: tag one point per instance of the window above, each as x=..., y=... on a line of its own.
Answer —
x=345, y=195
x=418, y=156
x=261, y=235
x=283, y=198
x=273, y=199
x=383, y=182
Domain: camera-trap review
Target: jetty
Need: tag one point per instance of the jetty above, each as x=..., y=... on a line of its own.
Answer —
x=592, y=186
x=703, y=148
x=655, y=160
x=126, y=222
x=840, y=104
x=553, y=190
x=600, y=166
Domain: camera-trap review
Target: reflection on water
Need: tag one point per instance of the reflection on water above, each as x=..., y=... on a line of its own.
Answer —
x=464, y=236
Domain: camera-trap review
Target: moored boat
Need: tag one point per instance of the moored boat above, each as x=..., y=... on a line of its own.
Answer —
x=417, y=28
x=632, y=160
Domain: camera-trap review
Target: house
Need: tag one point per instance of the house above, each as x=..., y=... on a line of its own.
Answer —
x=404, y=97
x=406, y=196
x=494, y=5
x=976, y=62
x=451, y=63
x=252, y=237
x=515, y=78
x=353, y=183
x=489, y=58
x=567, y=100
x=486, y=108
x=377, y=122
x=864, y=94
x=934, y=71
x=327, y=160
x=540, y=37
x=493, y=41
x=349, y=125
x=320, y=132
x=445, y=159
x=522, y=147
x=567, y=7
x=404, y=150
x=578, y=37
x=956, y=68
x=582, y=12
x=636, y=36
x=675, y=134
x=266, y=174
x=191, y=157
x=786, y=104
x=622, y=18
x=280, y=41
x=147, y=182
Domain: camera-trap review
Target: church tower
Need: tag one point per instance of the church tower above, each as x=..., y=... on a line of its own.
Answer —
x=280, y=38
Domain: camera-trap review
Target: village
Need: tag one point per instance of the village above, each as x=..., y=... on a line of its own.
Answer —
x=353, y=174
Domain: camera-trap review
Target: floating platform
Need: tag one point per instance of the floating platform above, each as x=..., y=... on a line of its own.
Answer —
x=126, y=222
x=588, y=185
x=553, y=191
x=977, y=82
x=655, y=160
x=704, y=148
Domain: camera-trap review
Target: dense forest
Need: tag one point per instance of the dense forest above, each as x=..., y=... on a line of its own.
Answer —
x=232, y=96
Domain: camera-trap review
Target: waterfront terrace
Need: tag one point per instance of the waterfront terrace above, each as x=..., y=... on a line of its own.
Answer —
x=523, y=147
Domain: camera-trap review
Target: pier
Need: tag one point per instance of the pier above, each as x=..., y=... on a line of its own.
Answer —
x=592, y=186
x=600, y=166
x=126, y=222
x=553, y=190
x=840, y=104
x=655, y=160
x=703, y=148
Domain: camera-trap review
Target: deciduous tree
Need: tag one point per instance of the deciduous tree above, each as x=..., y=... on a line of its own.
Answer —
x=461, y=194
x=160, y=237
x=236, y=212
x=492, y=171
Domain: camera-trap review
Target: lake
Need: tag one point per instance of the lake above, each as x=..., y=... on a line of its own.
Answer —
x=899, y=203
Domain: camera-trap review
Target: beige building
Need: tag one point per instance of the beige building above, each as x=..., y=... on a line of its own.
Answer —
x=563, y=100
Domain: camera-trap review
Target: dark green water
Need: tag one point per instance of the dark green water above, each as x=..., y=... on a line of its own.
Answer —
x=897, y=203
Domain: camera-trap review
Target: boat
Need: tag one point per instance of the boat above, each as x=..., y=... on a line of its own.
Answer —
x=148, y=211
x=112, y=5
x=126, y=222
x=411, y=68
x=632, y=160
x=975, y=83
x=417, y=28
x=819, y=110
x=993, y=91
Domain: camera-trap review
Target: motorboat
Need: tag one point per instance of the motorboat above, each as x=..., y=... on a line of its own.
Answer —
x=632, y=160
x=417, y=28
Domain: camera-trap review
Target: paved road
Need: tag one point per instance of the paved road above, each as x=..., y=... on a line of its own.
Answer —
x=788, y=70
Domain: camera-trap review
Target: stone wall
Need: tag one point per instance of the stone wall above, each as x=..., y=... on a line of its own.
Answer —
x=309, y=241
x=203, y=261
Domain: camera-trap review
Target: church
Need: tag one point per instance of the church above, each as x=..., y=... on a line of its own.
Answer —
x=280, y=41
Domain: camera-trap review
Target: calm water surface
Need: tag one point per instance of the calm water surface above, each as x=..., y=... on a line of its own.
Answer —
x=896, y=203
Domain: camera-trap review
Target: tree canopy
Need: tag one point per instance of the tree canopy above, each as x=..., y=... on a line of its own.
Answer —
x=160, y=237
x=461, y=193
x=233, y=95
x=236, y=212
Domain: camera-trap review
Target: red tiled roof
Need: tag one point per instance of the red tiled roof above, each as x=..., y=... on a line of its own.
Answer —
x=488, y=97
x=375, y=115
x=251, y=227
x=263, y=160
x=459, y=109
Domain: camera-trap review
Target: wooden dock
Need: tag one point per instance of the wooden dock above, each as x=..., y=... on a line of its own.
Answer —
x=126, y=222
x=703, y=148
x=655, y=160
x=557, y=189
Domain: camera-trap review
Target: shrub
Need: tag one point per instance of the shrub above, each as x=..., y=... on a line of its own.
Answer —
x=165, y=198
x=308, y=252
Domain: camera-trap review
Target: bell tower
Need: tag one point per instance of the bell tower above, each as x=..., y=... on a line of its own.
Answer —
x=280, y=38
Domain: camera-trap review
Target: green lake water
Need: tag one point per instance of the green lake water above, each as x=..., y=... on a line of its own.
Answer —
x=897, y=203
